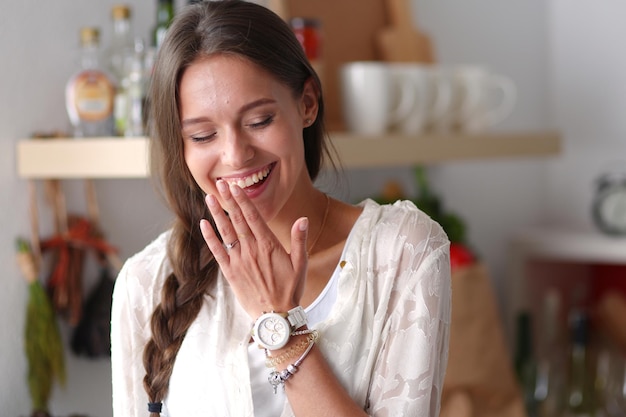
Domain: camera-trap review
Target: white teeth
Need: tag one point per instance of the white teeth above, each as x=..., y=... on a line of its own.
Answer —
x=252, y=179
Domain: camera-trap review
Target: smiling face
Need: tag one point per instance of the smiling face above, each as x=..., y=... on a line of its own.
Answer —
x=242, y=125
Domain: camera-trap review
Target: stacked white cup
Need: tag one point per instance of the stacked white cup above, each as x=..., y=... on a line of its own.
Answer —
x=415, y=98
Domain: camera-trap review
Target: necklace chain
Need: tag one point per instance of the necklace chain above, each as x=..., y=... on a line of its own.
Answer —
x=322, y=225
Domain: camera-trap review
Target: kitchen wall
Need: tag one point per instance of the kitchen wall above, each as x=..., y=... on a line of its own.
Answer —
x=563, y=55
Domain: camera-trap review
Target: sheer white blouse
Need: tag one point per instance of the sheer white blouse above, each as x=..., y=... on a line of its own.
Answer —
x=386, y=337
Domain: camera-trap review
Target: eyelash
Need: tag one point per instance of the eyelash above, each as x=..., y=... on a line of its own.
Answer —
x=202, y=138
x=263, y=123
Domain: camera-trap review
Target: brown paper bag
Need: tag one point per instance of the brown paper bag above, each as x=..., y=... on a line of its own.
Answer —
x=480, y=380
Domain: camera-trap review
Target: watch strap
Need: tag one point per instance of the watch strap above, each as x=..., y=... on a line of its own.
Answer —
x=297, y=317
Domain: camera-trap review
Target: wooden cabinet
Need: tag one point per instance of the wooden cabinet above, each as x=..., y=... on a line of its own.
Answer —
x=127, y=157
x=579, y=265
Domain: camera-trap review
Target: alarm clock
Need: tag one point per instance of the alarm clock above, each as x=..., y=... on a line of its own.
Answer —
x=609, y=203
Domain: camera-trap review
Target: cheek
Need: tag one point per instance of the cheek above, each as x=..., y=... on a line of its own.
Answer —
x=200, y=168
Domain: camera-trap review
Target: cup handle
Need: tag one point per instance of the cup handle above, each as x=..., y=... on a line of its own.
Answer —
x=408, y=99
x=443, y=99
x=509, y=96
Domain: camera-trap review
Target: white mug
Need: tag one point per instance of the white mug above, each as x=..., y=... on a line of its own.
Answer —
x=432, y=96
x=479, y=99
x=366, y=93
x=488, y=98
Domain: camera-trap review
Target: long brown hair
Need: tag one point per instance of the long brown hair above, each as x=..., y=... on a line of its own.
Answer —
x=232, y=27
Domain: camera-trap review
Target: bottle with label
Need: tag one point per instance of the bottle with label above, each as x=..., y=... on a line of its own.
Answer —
x=116, y=57
x=165, y=14
x=309, y=33
x=90, y=92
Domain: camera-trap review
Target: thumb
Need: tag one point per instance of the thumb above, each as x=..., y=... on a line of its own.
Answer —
x=299, y=233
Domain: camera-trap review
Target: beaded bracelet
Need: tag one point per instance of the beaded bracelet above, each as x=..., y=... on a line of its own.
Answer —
x=292, y=351
x=277, y=378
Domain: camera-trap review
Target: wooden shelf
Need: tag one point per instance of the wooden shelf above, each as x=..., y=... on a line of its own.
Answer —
x=127, y=157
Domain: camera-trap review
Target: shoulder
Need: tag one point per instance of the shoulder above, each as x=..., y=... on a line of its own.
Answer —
x=401, y=246
x=400, y=222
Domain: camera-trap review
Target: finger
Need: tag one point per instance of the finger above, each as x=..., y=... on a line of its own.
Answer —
x=249, y=214
x=226, y=231
x=237, y=220
x=299, y=234
x=213, y=242
x=222, y=221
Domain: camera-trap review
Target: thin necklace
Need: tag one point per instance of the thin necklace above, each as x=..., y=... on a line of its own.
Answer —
x=322, y=225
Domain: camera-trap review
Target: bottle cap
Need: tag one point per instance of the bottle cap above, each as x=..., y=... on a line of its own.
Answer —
x=120, y=11
x=89, y=35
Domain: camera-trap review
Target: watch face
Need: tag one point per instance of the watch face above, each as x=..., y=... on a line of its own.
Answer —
x=610, y=210
x=272, y=331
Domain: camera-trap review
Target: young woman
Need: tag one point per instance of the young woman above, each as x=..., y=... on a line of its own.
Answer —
x=267, y=297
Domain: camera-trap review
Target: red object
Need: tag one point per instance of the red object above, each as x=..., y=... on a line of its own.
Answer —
x=308, y=33
x=460, y=256
x=607, y=278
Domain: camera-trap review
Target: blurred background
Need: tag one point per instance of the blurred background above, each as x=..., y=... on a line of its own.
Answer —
x=564, y=58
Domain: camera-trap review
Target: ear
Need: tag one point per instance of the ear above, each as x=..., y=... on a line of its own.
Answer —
x=309, y=102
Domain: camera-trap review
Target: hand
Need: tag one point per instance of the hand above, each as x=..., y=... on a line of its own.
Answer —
x=263, y=275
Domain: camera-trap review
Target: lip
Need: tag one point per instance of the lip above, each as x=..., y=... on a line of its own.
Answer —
x=249, y=178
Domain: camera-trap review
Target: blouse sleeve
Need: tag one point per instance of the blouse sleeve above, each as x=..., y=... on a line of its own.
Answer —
x=128, y=336
x=410, y=369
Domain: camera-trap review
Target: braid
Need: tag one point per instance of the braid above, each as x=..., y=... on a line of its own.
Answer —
x=181, y=300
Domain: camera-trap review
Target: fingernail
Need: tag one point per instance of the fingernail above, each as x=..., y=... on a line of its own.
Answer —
x=234, y=190
x=221, y=186
x=211, y=200
x=304, y=224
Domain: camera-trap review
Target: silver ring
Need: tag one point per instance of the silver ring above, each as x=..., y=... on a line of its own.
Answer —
x=231, y=245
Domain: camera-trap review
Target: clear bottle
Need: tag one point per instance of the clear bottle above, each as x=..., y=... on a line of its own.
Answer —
x=122, y=42
x=117, y=56
x=580, y=388
x=525, y=365
x=551, y=377
x=135, y=92
x=90, y=92
x=165, y=14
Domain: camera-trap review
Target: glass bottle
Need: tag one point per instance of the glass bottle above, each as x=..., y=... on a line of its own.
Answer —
x=117, y=55
x=525, y=365
x=122, y=43
x=135, y=87
x=580, y=380
x=550, y=384
x=90, y=92
x=165, y=14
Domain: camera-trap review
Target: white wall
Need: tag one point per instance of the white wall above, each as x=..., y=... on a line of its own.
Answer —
x=529, y=40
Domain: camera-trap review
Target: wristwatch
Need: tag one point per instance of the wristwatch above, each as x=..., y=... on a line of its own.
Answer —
x=272, y=330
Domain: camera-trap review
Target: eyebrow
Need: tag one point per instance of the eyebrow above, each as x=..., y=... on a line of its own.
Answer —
x=245, y=108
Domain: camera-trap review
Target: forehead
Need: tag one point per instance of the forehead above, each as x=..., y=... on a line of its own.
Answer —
x=223, y=69
x=225, y=79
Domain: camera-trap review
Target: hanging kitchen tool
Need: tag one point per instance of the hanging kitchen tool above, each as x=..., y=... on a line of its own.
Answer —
x=92, y=335
x=75, y=236
x=42, y=340
x=402, y=41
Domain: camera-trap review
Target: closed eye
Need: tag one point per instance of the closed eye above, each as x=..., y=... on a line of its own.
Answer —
x=265, y=122
x=199, y=139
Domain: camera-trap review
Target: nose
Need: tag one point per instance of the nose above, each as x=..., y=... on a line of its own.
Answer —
x=237, y=149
